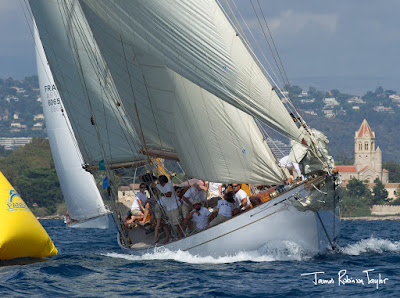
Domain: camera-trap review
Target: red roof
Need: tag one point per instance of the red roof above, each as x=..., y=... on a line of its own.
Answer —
x=362, y=170
x=365, y=130
x=346, y=169
x=385, y=171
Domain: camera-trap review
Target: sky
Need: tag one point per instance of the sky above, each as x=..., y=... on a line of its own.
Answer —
x=350, y=45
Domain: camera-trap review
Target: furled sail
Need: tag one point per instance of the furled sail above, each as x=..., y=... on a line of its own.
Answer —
x=79, y=189
x=84, y=83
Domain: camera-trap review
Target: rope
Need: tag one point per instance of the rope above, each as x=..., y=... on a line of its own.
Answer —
x=324, y=193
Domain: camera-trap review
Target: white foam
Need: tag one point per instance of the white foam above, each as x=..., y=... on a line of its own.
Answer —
x=371, y=245
x=278, y=251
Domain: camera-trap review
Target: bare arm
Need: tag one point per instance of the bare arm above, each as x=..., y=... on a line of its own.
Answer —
x=244, y=202
x=168, y=194
x=186, y=200
x=189, y=216
x=140, y=204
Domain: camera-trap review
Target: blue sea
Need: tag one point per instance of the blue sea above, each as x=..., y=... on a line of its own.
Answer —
x=91, y=264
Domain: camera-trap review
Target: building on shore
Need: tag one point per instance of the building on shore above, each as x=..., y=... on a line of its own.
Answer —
x=367, y=162
x=13, y=143
x=126, y=194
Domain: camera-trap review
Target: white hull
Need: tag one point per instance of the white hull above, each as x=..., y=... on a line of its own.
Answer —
x=100, y=222
x=275, y=221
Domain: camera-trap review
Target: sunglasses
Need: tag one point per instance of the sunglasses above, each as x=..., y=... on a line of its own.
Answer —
x=142, y=186
x=235, y=185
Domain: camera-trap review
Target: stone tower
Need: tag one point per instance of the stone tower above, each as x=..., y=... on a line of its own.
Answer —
x=365, y=153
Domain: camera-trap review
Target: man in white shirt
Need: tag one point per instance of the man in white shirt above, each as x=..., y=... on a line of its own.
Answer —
x=225, y=207
x=242, y=201
x=214, y=190
x=199, y=216
x=194, y=194
x=169, y=202
x=293, y=166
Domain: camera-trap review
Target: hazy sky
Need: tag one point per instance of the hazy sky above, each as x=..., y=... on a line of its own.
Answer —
x=352, y=45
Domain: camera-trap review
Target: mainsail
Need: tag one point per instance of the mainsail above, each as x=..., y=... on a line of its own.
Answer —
x=174, y=73
x=79, y=189
x=193, y=39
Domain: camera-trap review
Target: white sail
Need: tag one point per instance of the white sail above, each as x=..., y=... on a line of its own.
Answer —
x=195, y=40
x=84, y=83
x=214, y=140
x=79, y=189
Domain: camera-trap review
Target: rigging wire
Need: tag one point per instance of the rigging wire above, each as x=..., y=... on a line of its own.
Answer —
x=110, y=93
x=236, y=24
x=314, y=146
x=279, y=58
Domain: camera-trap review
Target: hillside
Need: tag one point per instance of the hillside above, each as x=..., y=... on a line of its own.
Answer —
x=30, y=169
x=336, y=114
x=339, y=116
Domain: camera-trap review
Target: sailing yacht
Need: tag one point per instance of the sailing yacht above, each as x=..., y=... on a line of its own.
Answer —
x=84, y=203
x=179, y=80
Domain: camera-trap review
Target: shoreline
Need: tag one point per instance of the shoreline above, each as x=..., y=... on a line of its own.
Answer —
x=371, y=218
x=51, y=217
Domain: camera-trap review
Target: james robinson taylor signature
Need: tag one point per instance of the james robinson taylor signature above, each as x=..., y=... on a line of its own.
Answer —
x=344, y=279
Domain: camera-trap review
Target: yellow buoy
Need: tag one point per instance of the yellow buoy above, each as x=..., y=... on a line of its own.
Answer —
x=21, y=234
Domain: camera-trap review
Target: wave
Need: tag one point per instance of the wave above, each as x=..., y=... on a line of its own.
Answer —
x=277, y=251
x=371, y=245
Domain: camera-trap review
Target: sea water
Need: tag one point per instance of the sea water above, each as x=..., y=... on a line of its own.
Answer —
x=91, y=264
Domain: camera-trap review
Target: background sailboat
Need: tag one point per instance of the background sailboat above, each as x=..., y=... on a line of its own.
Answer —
x=81, y=195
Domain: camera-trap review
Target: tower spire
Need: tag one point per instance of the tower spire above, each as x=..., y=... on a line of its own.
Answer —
x=365, y=130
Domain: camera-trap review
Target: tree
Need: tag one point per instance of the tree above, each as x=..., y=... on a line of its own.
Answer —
x=295, y=90
x=394, y=171
x=3, y=151
x=379, y=90
x=343, y=159
x=357, y=189
x=380, y=193
x=335, y=93
x=312, y=91
x=350, y=207
x=39, y=186
x=357, y=199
